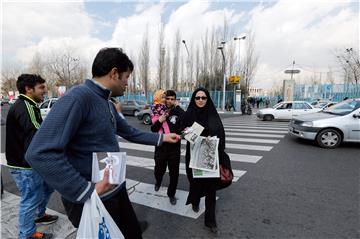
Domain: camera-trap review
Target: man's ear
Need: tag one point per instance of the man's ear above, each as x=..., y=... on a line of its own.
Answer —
x=28, y=89
x=113, y=73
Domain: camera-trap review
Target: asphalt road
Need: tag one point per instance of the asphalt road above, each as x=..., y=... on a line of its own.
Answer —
x=296, y=190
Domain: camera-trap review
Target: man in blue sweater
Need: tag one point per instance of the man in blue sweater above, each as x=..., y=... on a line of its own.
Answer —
x=84, y=121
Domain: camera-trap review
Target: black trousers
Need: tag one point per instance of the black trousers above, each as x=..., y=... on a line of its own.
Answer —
x=120, y=209
x=167, y=157
x=210, y=204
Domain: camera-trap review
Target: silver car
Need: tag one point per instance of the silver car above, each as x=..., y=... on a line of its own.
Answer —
x=336, y=124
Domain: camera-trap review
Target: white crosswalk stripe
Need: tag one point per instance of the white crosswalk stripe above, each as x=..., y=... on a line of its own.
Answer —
x=255, y=130
x=144, y=194
x=230, y=133
x=252, y=140
x=252, y=127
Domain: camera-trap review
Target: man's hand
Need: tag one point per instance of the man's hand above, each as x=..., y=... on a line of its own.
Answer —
x=171, y=138
x=104, y=186
x=162, y=118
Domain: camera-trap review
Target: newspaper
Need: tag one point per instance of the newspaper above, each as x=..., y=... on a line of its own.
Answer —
x=204, y=157
x=191, y=134
x=197, y=173
x=114, y=161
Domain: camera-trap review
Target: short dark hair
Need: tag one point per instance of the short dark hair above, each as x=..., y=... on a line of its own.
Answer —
x=108, y=58
x=29, y=80
x=170, y=93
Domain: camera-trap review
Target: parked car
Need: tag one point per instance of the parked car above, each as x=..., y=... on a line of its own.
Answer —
x=145, y=116
x=46, y=106
x=339, y=123
x=133, y=107
x=286, y=110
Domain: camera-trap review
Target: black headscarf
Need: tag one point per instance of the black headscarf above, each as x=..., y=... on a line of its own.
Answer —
x=206, y=116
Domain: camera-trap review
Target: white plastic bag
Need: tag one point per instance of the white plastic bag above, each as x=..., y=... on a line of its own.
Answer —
x=96, y=222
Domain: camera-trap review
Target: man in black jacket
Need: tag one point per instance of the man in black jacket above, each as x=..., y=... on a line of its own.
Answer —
x=23, y=120
x=168, y=154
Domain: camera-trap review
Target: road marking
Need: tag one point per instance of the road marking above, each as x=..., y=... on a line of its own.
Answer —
x=254, y=121
x=248, y=147
x=144, y=194
x=255, y=124
x=149, y=163
x=229, y=133
x=244, y=158
x=260, y=131
x=252, y=140
x=254, y=127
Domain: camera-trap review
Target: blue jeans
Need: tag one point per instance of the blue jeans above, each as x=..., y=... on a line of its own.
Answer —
x=35, y=194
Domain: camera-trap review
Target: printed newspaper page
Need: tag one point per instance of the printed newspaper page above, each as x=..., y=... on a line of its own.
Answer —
x=193, y=132
x=204, y=158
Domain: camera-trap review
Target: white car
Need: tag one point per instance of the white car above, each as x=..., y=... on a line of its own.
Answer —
x=46, y=106
x=286, y=110
x=339, y=123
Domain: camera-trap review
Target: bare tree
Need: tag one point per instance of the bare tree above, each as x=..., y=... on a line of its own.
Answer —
x=350, y=63
x=66, y=68
x=190, y=67
x=37, y=65
x=176, y=60
x=9, y=75
x=144, y=60
x=204, y=76
x=230, y=53
x=197, y=67
x=161, y=66
x=249, y=65
x=133, y=78
x=167, y=69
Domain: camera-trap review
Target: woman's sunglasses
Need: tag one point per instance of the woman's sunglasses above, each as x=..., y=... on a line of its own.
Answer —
x=200, y=97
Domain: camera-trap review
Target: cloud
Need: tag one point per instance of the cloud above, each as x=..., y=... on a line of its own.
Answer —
x=195, y=17
x=25, y=24
x=305, y=31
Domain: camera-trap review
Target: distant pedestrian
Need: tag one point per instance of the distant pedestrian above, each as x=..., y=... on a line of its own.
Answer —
x=267, y=103
x=23, y=121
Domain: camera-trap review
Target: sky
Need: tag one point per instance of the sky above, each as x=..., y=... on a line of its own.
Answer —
x=309, y=32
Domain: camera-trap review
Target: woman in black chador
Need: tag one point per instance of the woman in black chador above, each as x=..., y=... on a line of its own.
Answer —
x=202, y=110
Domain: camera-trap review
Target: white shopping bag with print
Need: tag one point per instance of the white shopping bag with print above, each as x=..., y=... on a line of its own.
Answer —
x=96, y=222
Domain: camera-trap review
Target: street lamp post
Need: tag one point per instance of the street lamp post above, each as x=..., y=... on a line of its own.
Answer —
x=239, y=72
x=221, y=48
x=235, y=39
x=188, y=66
